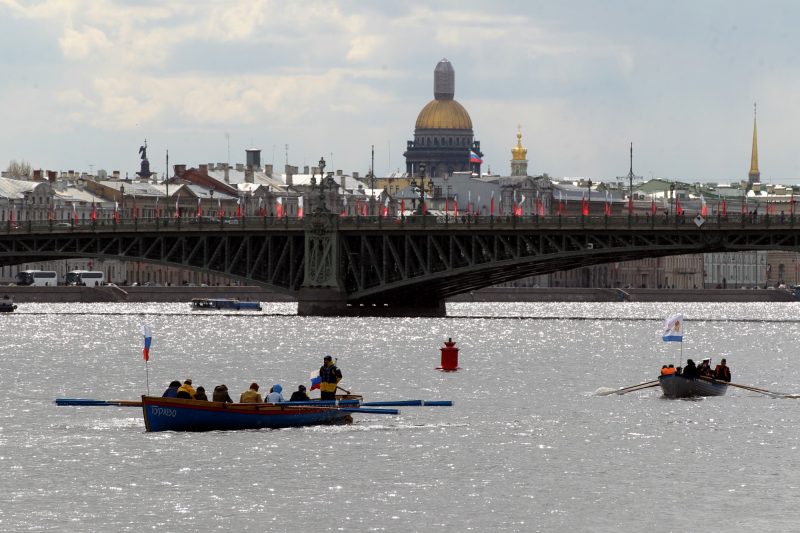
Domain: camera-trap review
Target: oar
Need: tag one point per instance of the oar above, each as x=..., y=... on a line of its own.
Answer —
x=632, y=388
x=341, y=389
x=760, y=391
x=101, y=403
x=411, y=403
x=751, y=388
x=370, y=411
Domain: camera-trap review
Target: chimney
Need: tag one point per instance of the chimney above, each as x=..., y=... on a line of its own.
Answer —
x=211, y=167
x=115, y=174
x=355, y=175
x=253, y=159
x=289, y=175
x=305, y=169
x=239, y=167
x=344, y=179
x=268, y=170
x=180, y=170
x=339, y=172
x=204, y=170
x=248, y=174
x=37, y=175
x=52, y=175
x=227, y=173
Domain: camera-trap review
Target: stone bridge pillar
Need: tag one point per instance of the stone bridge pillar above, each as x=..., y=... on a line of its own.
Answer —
x=322, y=292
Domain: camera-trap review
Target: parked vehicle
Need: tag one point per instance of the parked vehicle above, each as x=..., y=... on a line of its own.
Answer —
x=37, y=278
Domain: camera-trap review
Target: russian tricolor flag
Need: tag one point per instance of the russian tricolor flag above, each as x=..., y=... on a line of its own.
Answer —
x=148, y=338
x=473, y=157
x=315, y=380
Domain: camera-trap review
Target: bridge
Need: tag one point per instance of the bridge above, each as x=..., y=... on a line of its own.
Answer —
x=403, y=266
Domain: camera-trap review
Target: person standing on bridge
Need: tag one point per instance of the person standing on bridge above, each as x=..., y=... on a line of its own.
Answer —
x=330, y=376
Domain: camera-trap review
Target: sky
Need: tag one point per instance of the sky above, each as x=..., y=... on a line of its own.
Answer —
x=86, y=82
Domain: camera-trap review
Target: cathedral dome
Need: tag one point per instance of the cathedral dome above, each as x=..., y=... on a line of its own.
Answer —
x=443, y=114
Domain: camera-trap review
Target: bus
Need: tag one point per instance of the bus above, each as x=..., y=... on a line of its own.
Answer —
x=88, y=278
x=37, y=278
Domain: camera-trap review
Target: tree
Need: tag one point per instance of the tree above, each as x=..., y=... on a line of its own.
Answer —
x=18, y=169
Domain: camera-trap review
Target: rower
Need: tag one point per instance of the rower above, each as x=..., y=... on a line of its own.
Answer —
x=722, y=372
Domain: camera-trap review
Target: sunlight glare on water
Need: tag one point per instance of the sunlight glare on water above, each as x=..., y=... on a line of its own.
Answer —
x=528, y=446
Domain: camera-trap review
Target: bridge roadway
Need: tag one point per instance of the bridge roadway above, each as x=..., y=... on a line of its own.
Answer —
x=391, y=266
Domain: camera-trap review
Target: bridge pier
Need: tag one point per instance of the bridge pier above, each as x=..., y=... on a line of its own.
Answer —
x=332, y=302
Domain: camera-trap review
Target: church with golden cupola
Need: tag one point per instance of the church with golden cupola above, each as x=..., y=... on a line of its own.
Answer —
x=443, y=137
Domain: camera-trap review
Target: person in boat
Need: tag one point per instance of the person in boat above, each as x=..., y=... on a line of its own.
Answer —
x=221, y=394
x=722, y=372
x=330, y=376
x=186, y=391
x=251, y=395
x=704, y=369
x=200, y=394
x=172, y=390
x=300, y=395
x=667, y=370
x=275, y=395
x=690, y=370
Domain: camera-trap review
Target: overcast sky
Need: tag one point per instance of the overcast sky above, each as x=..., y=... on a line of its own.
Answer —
x=85, y=82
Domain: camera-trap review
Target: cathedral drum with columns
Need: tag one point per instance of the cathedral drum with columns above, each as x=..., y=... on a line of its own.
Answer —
x=443, y=137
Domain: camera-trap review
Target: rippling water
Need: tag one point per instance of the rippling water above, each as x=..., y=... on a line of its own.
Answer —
x=528, y=446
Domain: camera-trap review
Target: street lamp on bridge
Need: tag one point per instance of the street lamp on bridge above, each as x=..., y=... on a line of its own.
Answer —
x=588, y=196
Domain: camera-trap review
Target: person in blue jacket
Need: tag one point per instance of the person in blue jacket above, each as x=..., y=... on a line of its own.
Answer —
x=172, y=390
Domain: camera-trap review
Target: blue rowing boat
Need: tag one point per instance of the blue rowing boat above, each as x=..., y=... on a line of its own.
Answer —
x=214, y=304
x=676, y=386
x=177, y=414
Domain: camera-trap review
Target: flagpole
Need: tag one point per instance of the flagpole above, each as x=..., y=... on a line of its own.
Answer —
x=147, y=376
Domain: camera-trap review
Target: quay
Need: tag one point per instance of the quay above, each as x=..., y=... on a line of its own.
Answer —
x=112, y=293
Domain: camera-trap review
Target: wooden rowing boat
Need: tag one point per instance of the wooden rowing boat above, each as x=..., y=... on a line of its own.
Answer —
x=177, y=414
x=676, y=386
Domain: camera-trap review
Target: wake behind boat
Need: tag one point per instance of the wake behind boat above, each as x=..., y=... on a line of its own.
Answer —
x=214, y=304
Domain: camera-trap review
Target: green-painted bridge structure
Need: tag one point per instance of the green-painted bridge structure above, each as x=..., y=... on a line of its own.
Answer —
x=403, y=266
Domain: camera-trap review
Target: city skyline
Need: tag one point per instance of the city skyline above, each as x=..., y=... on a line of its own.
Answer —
x=206, y=80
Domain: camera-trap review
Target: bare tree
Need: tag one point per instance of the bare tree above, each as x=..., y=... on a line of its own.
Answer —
x=18, y=169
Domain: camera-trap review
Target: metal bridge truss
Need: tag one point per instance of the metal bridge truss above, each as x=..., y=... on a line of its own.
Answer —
x=439, y=263
x=273, y=259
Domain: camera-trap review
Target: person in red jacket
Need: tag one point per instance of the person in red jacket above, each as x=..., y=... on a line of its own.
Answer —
x=722, y=372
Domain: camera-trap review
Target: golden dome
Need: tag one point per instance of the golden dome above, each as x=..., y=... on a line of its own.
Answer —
x=518, y=153
x=443, y=114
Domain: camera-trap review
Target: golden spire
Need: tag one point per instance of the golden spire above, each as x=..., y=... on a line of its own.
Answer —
x=518, y=153
x=754, y=175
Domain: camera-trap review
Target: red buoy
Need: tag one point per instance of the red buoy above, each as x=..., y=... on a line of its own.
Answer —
x=449, y=357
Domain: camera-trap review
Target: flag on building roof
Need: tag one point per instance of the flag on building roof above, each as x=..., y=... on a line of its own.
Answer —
x=474, y=158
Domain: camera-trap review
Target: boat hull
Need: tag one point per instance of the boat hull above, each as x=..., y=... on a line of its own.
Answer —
x=176, y=414
x=675, y=386
x=218, y=304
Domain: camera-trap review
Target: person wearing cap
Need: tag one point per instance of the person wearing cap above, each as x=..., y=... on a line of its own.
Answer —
x=275, y=395
x=251, y=395
x=330, y=376
x=300, y=395
x=722, y=372
x=705, y=368
x=186, y=391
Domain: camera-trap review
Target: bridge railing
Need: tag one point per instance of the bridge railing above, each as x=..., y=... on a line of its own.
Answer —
x=416, y=222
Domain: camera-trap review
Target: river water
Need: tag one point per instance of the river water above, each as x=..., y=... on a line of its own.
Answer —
x=528, y=446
